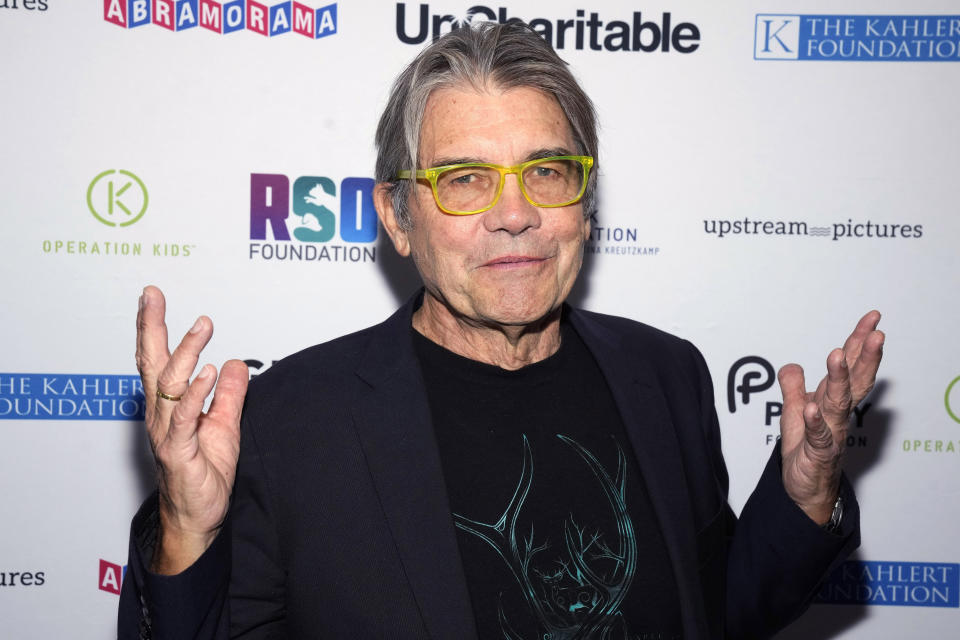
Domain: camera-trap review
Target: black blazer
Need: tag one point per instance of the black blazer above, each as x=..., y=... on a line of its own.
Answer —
x=339, y=525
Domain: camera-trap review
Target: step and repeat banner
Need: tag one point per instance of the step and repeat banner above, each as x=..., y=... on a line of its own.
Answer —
x=769, y=172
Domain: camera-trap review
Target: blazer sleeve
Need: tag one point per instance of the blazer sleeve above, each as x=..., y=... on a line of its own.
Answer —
x=235, y=589
x=777, y=557
x=191, y=604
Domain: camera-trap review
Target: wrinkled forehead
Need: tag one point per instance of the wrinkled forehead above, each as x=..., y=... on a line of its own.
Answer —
x=463, y=123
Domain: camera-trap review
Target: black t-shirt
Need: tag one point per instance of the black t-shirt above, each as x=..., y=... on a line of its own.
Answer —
x=554, y=524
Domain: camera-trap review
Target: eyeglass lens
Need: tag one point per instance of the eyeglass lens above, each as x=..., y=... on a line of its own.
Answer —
x=548, y=182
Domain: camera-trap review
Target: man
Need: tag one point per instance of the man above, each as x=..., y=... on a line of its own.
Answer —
x=487, y=462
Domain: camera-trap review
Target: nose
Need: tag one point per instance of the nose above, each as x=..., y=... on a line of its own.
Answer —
x=513, y=213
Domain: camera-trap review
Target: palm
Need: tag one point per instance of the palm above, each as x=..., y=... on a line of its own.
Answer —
x=205, y=469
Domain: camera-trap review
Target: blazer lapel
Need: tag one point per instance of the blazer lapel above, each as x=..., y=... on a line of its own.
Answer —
x=638, y=396
x=393, y=422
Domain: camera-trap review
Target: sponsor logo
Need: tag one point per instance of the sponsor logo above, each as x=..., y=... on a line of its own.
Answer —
x=29, y=5
x=632, y=32
x=114, y=191
x=55, y=396
x=910, y=584
x=857, y=38
x=849, y=230
x=931, y=446
x=258, y=366
x=951, y=399
x=310, y=233
x=752, y=375
x=951, y=403
x=22, y=578
x=116, y=198
x=111, y=577
x=620, y=241
x=224, y=16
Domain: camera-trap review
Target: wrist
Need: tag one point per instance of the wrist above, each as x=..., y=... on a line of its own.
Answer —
x=176, y=549
x=822, y=513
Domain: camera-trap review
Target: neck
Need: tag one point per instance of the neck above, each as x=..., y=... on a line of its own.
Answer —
x=506, y=346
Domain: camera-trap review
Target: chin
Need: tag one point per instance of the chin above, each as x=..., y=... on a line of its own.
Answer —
x=520, y=311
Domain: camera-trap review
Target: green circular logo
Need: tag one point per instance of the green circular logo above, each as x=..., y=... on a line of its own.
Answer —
x=117, y=198
x=946, y=399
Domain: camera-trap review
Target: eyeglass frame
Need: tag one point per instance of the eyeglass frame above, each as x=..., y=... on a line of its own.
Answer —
x=433, y=173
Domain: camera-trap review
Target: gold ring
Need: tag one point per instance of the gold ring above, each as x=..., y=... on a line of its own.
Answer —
x=166, y=396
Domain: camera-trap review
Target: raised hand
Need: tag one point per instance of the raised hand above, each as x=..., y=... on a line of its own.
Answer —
x=813, y=425
x=196, y=452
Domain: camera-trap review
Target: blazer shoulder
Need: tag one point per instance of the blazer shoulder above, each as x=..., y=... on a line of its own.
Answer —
x=632, y=334
x=322, y=370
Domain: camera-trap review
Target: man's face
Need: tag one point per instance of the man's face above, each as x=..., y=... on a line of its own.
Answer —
x=512, y=264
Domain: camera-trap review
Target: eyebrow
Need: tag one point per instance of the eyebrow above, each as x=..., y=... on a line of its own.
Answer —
x=533, y=155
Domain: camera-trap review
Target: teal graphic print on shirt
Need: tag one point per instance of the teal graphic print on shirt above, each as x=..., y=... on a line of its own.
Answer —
x=581, y=598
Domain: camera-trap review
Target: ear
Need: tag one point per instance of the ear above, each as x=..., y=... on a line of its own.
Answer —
x=383, y=202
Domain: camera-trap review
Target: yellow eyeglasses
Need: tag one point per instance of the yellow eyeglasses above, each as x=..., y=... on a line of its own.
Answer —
x=474, y=187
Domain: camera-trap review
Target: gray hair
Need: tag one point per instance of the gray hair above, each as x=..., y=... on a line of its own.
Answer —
x=505, y=55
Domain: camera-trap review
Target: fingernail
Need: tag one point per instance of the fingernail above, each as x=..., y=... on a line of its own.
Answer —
x=843, y=362
x=204, y=373
x=197, y=326
x=144, y=296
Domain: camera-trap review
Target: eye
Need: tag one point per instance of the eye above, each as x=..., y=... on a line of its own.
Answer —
x=548, y=170
x=544, y=171
x=464, y=178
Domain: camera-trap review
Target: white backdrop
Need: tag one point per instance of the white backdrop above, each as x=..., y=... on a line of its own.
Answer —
x=703, y=153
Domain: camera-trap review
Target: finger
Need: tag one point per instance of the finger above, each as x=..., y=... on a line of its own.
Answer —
x=792, y=385
x=152, y=352
x=863, y=372
x=854, y=343
x=232, y=387
x=817, y=434
x=186, y=413
x=793, y=389
x=836, y=405
x=175, y=376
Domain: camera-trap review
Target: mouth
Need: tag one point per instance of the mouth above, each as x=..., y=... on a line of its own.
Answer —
x=514, y=262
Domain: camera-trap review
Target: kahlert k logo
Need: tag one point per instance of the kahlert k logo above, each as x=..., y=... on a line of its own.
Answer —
x=117, y=198
x=776, y=37
x=858, y=38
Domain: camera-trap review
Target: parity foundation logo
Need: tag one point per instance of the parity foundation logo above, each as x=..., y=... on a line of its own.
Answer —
x=910, y=584
x=857, y=38
x=330, y=222
x=224, y=16
x=56, y=396
x=635, y=31
x=754, y=375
